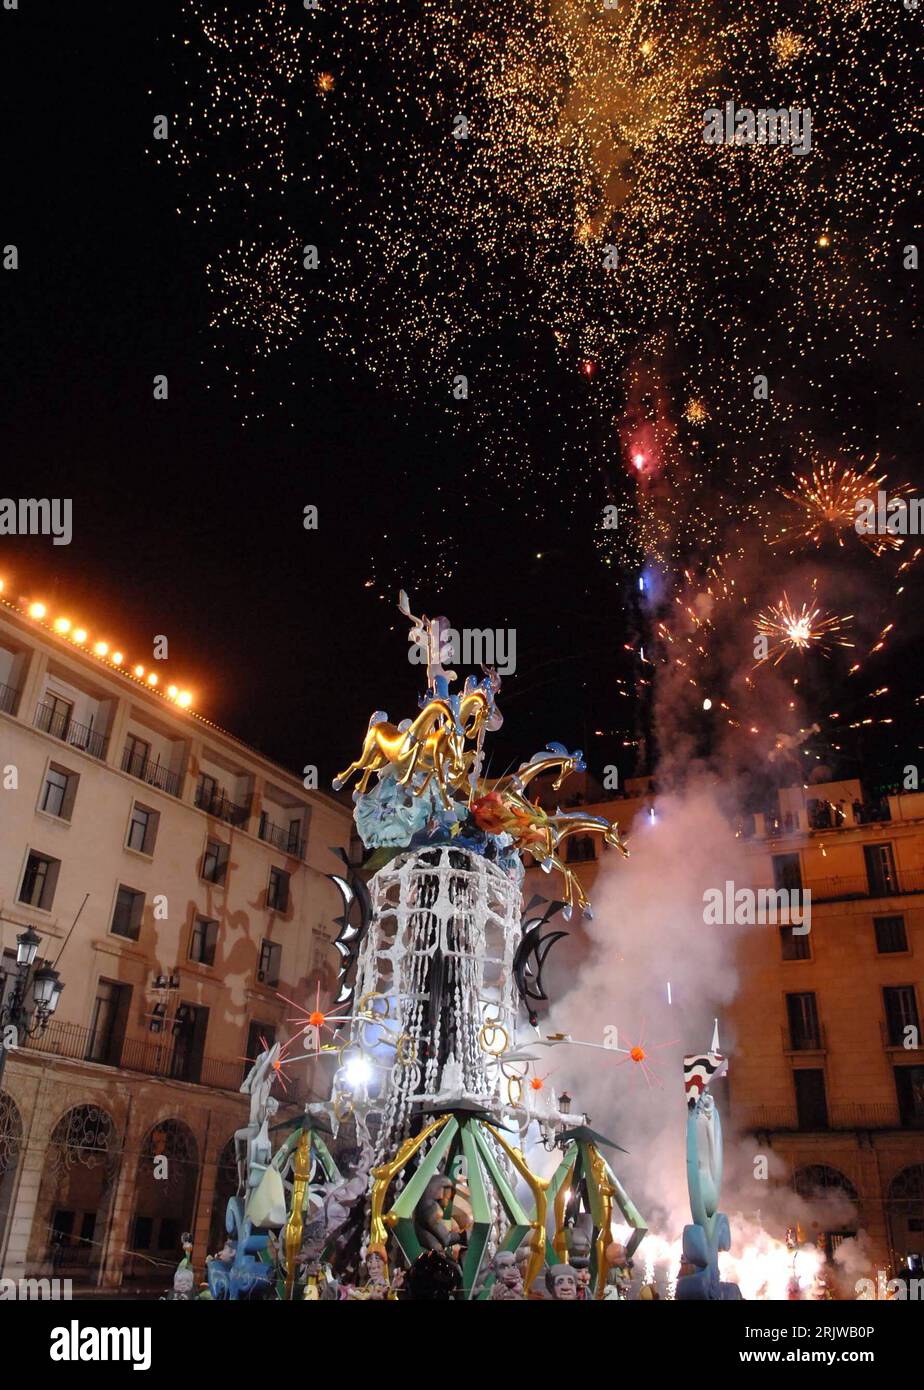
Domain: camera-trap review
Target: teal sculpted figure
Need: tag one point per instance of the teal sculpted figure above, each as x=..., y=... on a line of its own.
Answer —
x=710, y=1232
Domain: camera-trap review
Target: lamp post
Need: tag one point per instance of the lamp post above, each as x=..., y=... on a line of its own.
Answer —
x=33, y=997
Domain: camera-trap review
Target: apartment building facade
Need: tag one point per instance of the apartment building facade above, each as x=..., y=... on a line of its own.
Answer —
x=825, y=1029
x=829, y=1058
x=178, y=882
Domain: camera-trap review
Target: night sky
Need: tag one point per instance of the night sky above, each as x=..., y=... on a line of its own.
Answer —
x=188, y=518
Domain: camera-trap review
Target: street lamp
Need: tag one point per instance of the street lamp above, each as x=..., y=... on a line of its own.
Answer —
x=20, y=1014
x=27, y=944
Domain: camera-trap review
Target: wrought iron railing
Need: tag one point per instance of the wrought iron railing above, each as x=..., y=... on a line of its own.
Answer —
x=845, y=887
x=864, y=1115
x=216, y=803
x=861, y=886
x=287, y=840
x=59, y=724
x=155, y=1057
x=154, y=773
x=8, y=699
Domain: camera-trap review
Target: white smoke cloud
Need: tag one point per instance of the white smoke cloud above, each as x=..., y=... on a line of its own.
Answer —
x=647, y=937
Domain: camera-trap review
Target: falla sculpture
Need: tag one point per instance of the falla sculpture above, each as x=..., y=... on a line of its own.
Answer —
x=412, y=1179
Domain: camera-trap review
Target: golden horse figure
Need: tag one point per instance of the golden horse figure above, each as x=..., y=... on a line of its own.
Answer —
x=428, y=743
x=561, y=828
x=433, y=743
x=506, y=808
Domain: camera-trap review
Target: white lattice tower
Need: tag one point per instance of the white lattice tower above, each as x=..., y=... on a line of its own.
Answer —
x=439, y=951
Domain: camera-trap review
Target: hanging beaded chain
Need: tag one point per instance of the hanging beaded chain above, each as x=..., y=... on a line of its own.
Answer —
x=459, y=903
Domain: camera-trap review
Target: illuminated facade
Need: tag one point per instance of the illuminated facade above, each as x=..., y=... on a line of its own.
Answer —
x=177, y=880
x=827, y=1067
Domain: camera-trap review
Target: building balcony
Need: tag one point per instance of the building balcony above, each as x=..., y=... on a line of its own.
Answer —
x=154, y=773
x=148, y=1058
x=9, y=698
x=286, y=840
x=859, y=886
x=216, y=803
x=59, y=726
x=862, y=1115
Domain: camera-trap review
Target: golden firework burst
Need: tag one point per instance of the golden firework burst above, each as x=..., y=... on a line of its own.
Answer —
x=788, y=628
x=829, y=500
x=787, y=45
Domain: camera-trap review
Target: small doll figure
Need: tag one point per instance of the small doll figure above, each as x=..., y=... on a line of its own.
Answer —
x=184, y=1284
x=508, y=1283
x=619, y=1270
x=561, y=1283
x=376, y=1286
x=432, y=1229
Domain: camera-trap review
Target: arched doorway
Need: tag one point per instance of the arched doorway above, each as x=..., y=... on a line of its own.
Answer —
x=165, y=1199
x=226, y=1183
x=10, y=1147
x=76, y=1194
x=819, y=1180
x=906, y=1220
x=834, y=1205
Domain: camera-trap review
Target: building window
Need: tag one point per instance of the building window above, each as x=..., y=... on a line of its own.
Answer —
x=144, y=1230
x=901, y=1011
x=126, y=919
x=295, y=836
x=804, y=1030
x=58, y=715
x=277, y=894
x=58, y=792
x=787, y=872
x=269, y=963
x=890, y=935
x=909, y=1086
x=794, y=945
x=203, y=941
x=206, y=792
x=142, y=829
x=880, y=870
x=214, y=861
x=260, y=1037
x=107, y=1028
x=811, y=1101
x=39, y=881
x=581, y=849
x=189, y=1029
x=136, y=755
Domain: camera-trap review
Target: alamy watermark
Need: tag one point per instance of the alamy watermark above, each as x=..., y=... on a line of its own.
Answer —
x=37, y=516
x=470, y=646
x=753, y=907
x=889, y=516
x=882, y=1288
x=787, y=125
x=76, y=1343
x=36, y=1290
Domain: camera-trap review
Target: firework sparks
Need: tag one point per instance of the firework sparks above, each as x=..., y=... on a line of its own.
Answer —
x=258, y=292
x=540, y=178
x=790, y=629
x=829, y=499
